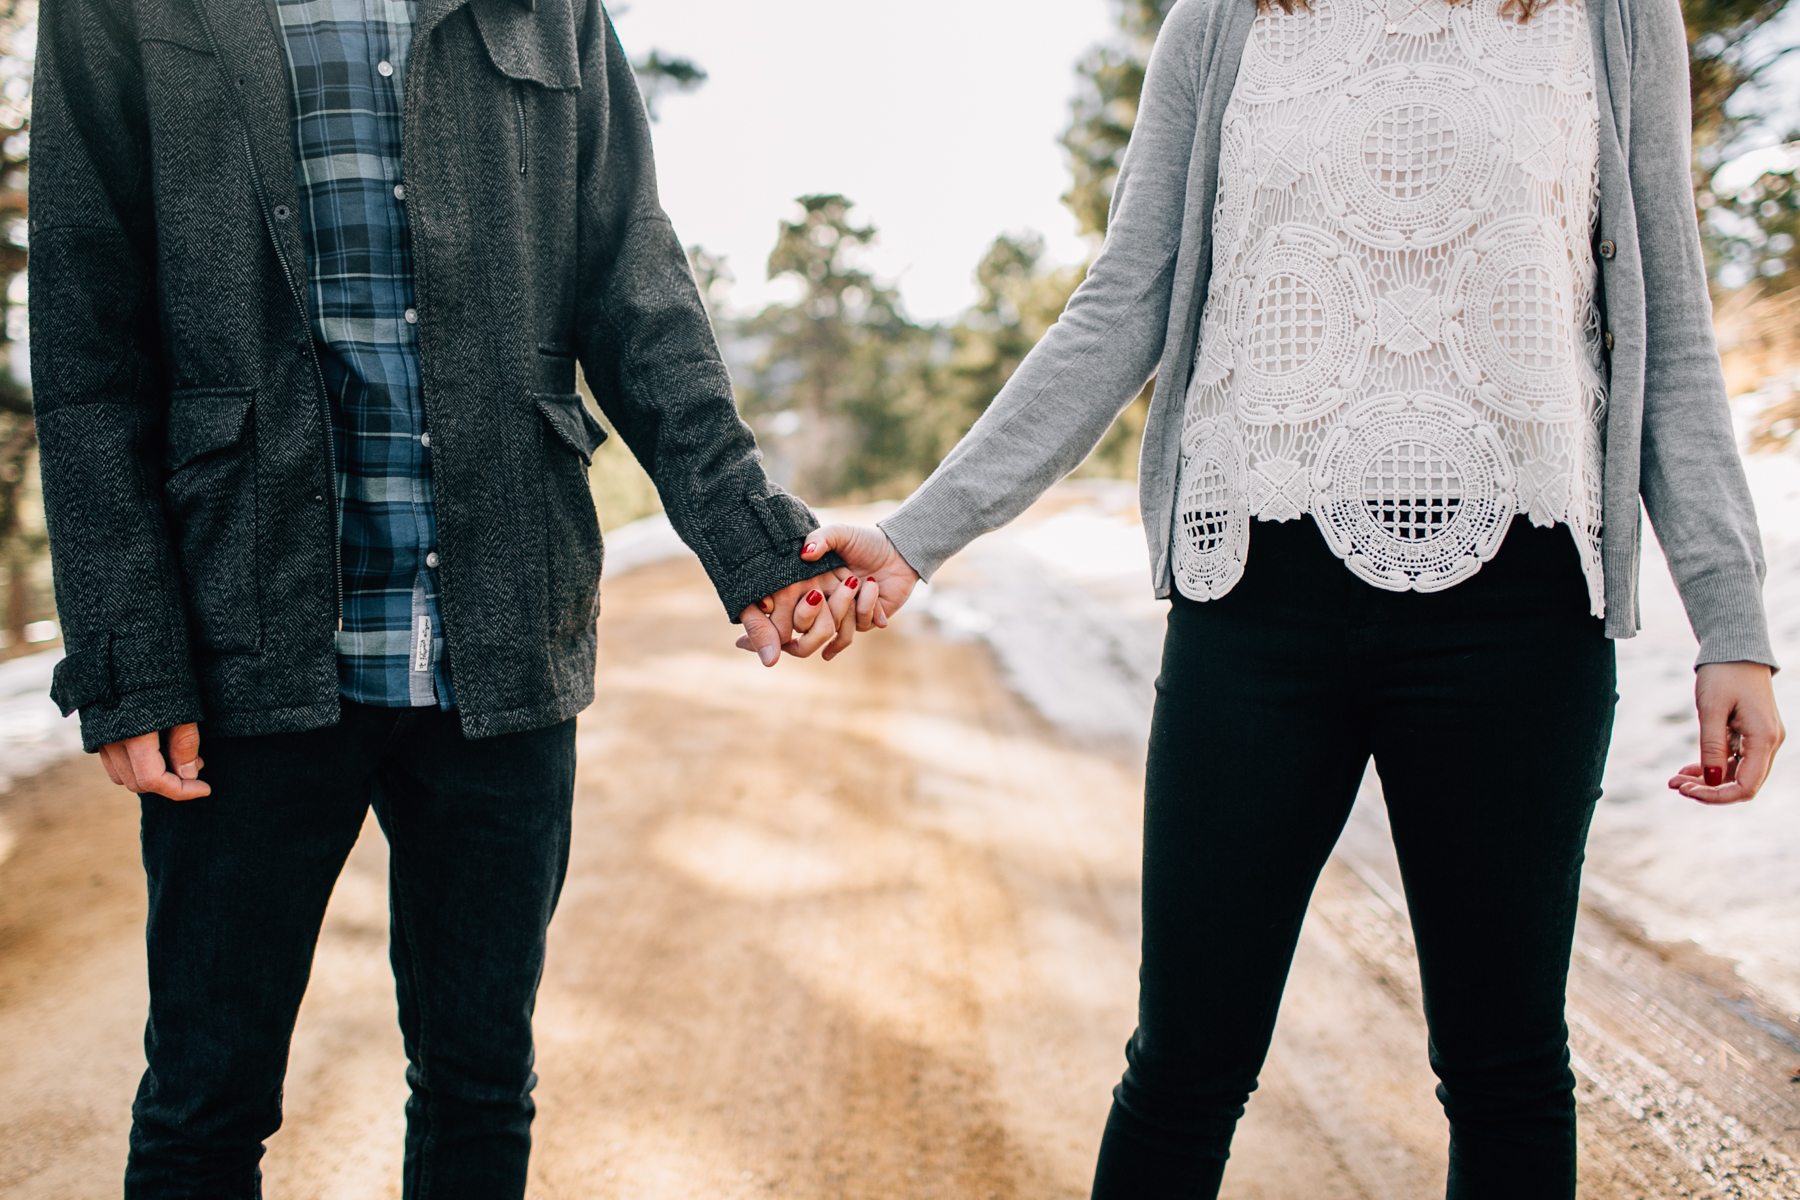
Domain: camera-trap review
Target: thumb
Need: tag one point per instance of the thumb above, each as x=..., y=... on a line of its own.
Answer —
x=1715, y=743
x=863, y=549
x=761, y=636
x=184, y=751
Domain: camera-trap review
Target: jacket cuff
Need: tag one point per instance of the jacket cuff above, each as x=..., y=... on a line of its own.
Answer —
x=783, y=521
x=117, y=696
x=133, y=714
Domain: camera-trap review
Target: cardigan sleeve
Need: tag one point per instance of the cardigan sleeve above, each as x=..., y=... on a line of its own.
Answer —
x=1692, y=479
x=1101, y=351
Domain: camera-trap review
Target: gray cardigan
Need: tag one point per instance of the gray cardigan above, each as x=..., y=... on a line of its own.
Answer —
x=1669, y=437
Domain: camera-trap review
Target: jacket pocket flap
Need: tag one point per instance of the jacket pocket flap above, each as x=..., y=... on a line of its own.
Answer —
x=534, y=43
x=85, y=679
x=201, y=422
x=172, y=21
x=573, y=423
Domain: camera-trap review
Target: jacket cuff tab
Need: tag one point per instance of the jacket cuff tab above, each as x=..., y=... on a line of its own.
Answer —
x=784, y=519
x=85, y=679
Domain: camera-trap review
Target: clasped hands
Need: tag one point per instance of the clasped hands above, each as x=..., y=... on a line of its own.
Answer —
x=826, y=612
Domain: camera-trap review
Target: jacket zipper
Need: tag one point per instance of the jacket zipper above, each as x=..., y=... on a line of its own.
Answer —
x=312, y=350
x=519, y=100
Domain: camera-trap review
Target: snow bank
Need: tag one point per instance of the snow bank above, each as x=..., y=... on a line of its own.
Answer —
x=33, y=733
x=1063, y=597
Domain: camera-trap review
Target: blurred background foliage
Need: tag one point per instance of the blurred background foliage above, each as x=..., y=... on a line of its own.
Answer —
x=854, y=400
x=24, y=563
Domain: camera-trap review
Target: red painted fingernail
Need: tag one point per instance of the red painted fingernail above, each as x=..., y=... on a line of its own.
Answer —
x=1715, y=776
x=852, y=582
x=815, y=597
x=810, y=547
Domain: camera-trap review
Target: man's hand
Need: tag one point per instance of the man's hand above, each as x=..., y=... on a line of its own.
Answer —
x=1740, y=731
x=140, y=764
x=769, y=625
x=869, y=555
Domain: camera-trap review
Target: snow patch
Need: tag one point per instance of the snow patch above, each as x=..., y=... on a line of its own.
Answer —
x=33, y=734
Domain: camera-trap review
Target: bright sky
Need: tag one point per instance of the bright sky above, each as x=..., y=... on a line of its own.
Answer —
x=940, y=118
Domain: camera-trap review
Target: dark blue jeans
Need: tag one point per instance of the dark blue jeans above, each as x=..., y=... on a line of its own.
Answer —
x=478, y=835
x=1487, y=709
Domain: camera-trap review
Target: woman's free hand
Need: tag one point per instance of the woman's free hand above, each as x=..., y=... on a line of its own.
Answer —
x=1740, y=731
x=868, y=554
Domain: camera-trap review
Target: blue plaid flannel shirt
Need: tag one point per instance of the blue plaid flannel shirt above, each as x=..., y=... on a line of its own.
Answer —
x=347, y=60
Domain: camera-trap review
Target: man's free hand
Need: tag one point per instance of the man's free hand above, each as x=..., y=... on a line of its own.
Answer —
x=166, y=763
x=1740, y=731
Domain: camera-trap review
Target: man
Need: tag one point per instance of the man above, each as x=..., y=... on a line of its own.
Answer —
x=315, y=467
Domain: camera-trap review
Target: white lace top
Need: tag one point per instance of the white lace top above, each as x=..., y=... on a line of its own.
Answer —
x=1401, y=336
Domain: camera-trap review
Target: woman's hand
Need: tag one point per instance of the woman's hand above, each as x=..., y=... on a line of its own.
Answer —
x=830, y=623
x=1740, y=731
x=869, y=555
x=769, y=623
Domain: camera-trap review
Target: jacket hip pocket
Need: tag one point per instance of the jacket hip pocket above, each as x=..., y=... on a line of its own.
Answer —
x=210, y=497
x=571, y=527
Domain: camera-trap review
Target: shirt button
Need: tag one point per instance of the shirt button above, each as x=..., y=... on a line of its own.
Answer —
x=1609, y=339
x=386, y=68
x=1608, y=248
x=412, y=316
x=399, y=191
x=431, y=560
x=425, y=440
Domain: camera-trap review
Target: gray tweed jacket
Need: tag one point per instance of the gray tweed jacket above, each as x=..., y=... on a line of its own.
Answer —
x=186, y=466
x=1669, y=438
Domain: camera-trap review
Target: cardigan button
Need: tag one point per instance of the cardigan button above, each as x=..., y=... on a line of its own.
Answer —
x=1608, y=248
x=1609, y=339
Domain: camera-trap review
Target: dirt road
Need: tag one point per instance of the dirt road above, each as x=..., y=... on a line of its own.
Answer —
x=863, y=932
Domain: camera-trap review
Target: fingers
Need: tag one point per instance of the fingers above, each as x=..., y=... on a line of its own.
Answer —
x=815, y=623
x=112, y=758
x=868, y=607
x=1743, y=777
x=141, y=767
x=760, y=635
x=844, y=609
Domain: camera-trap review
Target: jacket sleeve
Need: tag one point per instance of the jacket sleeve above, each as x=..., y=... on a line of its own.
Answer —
x=1692, y=478
x=1101, y=351
x=648, y=351
x=94, y=341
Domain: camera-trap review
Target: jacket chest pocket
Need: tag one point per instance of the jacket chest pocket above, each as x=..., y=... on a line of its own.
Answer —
x=210, y=497
x=574, y=552
x=535, y=49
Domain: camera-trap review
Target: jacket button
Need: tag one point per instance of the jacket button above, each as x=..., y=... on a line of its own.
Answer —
x=1609, y=339
x=1608, y=248
x=431, y=560
x=281, y=212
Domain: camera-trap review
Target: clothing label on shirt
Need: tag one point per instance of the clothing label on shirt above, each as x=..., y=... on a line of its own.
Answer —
x=422, y=644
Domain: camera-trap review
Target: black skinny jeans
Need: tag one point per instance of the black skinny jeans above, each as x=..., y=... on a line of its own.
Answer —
x=1488, y=709
x=478, y=836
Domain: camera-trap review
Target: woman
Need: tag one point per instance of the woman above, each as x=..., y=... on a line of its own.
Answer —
x=1431, y=284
